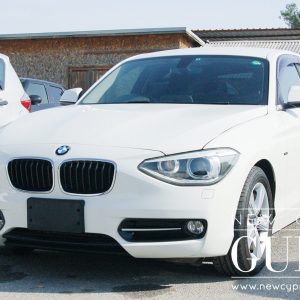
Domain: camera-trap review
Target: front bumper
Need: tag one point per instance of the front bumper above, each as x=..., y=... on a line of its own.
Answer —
x=134, y=196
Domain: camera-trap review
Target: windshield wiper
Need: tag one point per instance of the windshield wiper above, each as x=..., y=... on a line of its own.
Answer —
x=223, y=103
x=217, y=103
x=139, y=101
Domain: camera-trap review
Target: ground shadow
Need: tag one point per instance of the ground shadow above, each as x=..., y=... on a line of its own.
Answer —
x=55, y=272
x=73, y=273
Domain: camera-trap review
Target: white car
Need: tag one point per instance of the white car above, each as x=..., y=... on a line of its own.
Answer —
x=14, y=102
x=174, y=154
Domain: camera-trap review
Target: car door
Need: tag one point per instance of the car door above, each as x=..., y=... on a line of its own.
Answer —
x=288, y=68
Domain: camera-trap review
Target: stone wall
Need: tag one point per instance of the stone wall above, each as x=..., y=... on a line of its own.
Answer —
x=52, y=58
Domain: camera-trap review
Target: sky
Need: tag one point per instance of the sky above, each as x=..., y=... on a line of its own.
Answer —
x=20, y=16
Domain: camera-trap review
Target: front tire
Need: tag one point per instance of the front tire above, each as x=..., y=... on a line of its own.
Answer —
x=253, y=226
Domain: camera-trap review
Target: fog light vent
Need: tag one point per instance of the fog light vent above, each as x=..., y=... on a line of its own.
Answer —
x=2, y=220
x=161, y=230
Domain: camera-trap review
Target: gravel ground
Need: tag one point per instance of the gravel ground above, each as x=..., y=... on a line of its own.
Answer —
x=53, y=275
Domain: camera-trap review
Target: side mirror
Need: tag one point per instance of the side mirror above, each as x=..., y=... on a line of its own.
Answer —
x=35, y=99
x=70, y=96
x=293, y=97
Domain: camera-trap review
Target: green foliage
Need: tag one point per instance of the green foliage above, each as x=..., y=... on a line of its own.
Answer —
x=291, y=15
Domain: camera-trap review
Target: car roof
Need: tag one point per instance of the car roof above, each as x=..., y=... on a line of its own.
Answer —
x=41, y=81
x=209, y=50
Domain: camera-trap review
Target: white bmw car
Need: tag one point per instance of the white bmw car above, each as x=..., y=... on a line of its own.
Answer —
x=175, y=154
x=14, y=102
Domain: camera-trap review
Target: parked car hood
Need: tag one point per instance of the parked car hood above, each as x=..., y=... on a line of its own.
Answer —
x=169, y=128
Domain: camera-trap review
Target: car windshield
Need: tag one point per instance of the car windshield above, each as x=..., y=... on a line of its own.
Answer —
x=206, y=79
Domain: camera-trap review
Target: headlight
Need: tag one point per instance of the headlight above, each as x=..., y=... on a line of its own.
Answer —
x=203, y=167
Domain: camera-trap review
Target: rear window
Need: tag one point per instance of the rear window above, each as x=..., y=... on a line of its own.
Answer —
x=2, y=74
x=54, y=93
x=39, y=90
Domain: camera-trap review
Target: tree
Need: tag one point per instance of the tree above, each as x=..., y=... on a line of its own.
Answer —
x=291, y=15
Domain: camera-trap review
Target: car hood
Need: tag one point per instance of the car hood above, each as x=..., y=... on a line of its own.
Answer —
x=169, y=128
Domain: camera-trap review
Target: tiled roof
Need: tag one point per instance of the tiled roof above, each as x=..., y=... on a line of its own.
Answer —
x=249, y=34
x=289, y=45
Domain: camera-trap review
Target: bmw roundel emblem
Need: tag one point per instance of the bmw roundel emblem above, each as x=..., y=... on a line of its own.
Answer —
x=62, y=150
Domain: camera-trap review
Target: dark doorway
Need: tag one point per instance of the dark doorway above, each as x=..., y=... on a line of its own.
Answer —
x=85, y=76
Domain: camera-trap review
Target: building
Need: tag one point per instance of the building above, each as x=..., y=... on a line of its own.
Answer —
x=277, y=38
x=80, y=58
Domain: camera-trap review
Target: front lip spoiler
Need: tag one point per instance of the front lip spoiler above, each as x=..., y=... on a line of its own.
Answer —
x=57, y=241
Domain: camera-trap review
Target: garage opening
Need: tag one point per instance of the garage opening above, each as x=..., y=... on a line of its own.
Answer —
x=85, y=76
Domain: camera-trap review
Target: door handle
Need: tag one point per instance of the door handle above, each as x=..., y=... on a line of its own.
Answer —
x=3, y=102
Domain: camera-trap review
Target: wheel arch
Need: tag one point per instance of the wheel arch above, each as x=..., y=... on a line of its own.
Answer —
x=267, y=167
